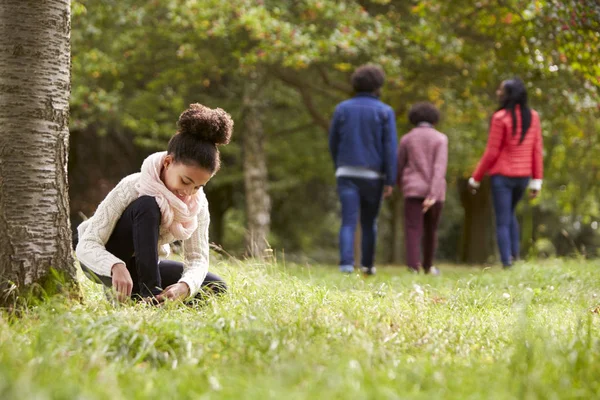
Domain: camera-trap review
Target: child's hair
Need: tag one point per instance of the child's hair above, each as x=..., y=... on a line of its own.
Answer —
x=423, y=112
x=201, y=130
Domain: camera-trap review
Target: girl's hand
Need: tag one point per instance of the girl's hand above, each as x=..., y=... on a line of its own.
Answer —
x=178, y=291
x=473, y=185
x=427, y=204
x=121, y=281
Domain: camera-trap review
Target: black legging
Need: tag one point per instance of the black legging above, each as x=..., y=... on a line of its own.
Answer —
x=135, y=239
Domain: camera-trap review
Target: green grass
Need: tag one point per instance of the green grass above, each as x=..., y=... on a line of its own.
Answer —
x=299, y=332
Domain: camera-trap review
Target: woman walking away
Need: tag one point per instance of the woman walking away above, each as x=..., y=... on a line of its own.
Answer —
x=422, y=162
x=512, y=157
x=119, y=246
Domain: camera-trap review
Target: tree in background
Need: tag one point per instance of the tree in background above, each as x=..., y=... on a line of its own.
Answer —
x=136, y=64
x=258, y=201
x=34, y=121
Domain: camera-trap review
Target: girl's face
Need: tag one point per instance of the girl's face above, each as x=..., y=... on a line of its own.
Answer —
x=500, y=93
x=183, y=180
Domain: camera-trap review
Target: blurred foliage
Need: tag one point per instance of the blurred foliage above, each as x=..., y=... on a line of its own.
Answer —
x=137, y=65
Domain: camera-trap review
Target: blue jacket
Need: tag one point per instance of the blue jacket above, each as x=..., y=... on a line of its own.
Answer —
x=363, y=134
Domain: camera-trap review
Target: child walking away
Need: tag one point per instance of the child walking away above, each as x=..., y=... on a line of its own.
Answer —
x=422, y=162
x=119, y=245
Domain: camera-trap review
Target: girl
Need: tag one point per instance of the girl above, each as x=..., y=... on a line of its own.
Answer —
x=422, y=163
x=146, y=211
x=513, y=155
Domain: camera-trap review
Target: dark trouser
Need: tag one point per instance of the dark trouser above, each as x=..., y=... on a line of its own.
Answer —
x=359, y=196
x=135, y=240
x=420, y=229
x=506, y=193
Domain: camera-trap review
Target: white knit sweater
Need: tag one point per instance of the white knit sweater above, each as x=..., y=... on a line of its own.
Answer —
x=95, y=232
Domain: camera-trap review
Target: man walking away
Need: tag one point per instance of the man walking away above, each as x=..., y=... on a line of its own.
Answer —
x=363, y=141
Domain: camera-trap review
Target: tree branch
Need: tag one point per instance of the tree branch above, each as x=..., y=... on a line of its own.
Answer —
x=293, y=129
x=312, y=109
x=296, y=82
x=302, y=88
x=345, y=89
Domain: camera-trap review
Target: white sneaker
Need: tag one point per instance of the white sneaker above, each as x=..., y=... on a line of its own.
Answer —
x=346, y=269
x=434, y=271
x=368, y=271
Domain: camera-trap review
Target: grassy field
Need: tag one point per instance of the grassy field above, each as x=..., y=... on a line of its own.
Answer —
x=299, y=332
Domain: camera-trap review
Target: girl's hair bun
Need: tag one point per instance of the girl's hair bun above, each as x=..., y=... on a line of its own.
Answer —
x=213, y=125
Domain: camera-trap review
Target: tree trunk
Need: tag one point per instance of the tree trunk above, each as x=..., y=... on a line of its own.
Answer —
x=96, y=164
x=398, y=254
x=34, y=119
x=526, y=223
x=258, y=201
x=219, y=201
x=478, y=241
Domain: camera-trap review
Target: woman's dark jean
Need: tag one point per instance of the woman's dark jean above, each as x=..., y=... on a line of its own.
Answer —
x=506, y=193
x=135, y=240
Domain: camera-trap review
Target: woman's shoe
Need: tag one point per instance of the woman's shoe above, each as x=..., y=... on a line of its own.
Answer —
x=368, y=270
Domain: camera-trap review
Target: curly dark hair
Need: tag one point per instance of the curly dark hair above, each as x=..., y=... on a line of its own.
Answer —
x=423, y=112
x=368, y=78
x=201, y=130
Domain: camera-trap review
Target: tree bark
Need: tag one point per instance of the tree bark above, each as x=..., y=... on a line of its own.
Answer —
x=34, y=127
x=478, y=240
x=398, y=254
x=258, y=201
x=219, y=201
x=526, y=222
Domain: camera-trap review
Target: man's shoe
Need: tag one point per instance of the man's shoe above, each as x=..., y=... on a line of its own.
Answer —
x=346, y=269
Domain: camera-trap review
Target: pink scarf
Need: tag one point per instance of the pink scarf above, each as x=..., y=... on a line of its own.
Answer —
x=178, y=217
